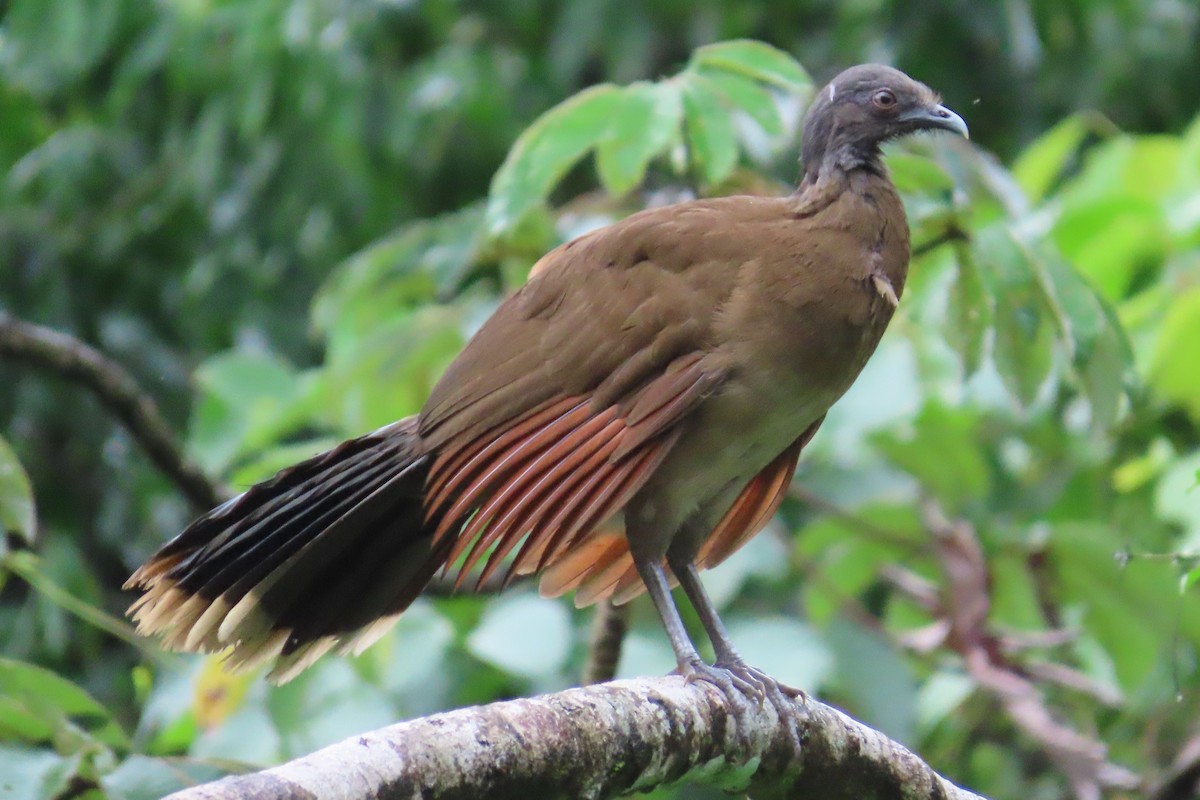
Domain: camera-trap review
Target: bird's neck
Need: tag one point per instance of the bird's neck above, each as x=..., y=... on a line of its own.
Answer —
x=833, y=173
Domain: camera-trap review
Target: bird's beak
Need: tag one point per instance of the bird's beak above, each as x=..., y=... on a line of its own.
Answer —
x=937, y=117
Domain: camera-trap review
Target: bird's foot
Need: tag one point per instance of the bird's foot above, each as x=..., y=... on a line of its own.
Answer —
x=744, y=685
x=778, y=694
x=765, y=683
x=740, y=695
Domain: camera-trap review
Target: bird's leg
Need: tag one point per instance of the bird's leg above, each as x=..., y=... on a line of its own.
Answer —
x=726, y=653
x=691, y=666
x=780, y=695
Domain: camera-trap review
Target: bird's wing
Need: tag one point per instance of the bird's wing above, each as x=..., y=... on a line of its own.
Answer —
x=567, y=399
x=601, y=567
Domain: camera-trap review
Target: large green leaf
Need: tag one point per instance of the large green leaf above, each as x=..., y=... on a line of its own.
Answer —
x=28, y=774
x=142, y=778
x=1042, y=162
x=545, y=151
x=644, y=125
x=1134, y=612
x=969, y=316
x=1111, y=238
x=1175, y=364
x=1092, y=336
x=1023, y=341
x=872, y=673
x=755, y=60
x=941, y=451
x=414, y=264
x=747, y=96
x=247, y=400
x=712, y=141
x=39, y=707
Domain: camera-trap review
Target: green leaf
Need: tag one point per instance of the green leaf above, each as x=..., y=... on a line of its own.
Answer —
x=1023, y=345
x=544, y=153
x=1023, y=341
x=747, y=96
x=1176, y=498
x=1175, y=363
x=871, y=670
x=1134, y=612
x=39, y=707
x=265, y=464
x=970, y=312
x=18, y=516
x=755, y=60
x=1111, y=238
x=369, y=381
x=247, y=400
x=644, y=125
x=1190, y=578
x=945, y=691
x=912, y=174
x=942, y=452
x=523, y=634
x=1094, y=338
x=712, y=143
x=324, y=705
x=1145, y=168
x=1042, y=162
x=848, y=559
x=410, y=266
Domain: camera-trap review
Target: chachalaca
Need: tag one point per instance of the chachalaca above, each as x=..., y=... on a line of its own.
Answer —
x=629, y=417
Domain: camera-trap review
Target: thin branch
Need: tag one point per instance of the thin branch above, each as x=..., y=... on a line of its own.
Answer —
x=864, y=526
x=118, y=391
x=1182, y=782
x=965, y=612
x=952, y=233
x=604, y=644
x=112, y=384
x=597, y=742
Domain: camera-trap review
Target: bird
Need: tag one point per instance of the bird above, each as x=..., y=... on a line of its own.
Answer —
x=629, y=417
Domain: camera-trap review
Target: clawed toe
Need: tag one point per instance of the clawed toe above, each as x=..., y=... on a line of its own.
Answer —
x=779, y=695
x=766, y=684
x=741, y=684
x=733, y=686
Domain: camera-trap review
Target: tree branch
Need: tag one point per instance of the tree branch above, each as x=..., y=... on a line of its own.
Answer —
x=119, y=392
x=601, y=741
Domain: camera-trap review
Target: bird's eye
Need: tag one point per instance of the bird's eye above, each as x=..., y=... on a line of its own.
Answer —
x=884, y=99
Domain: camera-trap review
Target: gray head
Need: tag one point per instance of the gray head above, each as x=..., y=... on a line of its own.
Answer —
x=861, y=109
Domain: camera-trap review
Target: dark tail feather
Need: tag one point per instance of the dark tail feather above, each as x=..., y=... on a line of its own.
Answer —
x=325, y=554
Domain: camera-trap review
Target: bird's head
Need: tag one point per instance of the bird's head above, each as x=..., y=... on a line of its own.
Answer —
x=862, y=108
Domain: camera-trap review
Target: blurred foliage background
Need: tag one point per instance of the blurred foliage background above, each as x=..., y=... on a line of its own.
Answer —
x=284, y=217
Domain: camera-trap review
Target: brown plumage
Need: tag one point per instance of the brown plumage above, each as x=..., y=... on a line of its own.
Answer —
x=633, y=414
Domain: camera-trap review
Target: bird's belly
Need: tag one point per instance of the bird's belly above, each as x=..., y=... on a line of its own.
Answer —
x=782, y=384
x=730, y=438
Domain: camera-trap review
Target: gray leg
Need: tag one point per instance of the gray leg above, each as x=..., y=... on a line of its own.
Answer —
x=659, y=590
x=689, y=579
x=780, y=695
x=691, y=666
x=727, y=655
